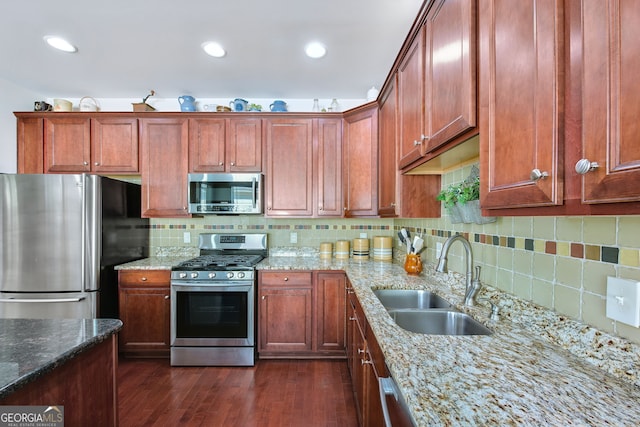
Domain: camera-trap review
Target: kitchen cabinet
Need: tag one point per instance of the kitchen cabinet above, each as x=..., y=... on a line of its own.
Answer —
x=145, y=311
x=401, y=195
x=30, y=145
x=285, y=313
x=301, y=314
x=530, y=145
x=225, y=145
x=366, y=365
x=610, y=61
x=164, y=145
x=522, y=69
x=303, y=161
x=436, y=80
x=77, y=143
x=360, y=161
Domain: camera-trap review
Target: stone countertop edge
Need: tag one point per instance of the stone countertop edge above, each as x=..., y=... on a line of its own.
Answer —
x=33, y=347
x=538, y=368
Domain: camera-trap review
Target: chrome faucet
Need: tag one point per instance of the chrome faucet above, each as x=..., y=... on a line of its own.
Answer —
x=473, y=285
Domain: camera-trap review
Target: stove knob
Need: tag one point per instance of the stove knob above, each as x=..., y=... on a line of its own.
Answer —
x=183, y=275
x=194, y=275
x=212, y=275
x=240, y=275
x=230, y=275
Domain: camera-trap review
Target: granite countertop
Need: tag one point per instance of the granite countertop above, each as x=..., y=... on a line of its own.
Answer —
x=153, y=263
x=538, y=367
x=33, y=347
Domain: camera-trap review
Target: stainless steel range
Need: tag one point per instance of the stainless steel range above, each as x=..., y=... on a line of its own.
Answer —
x=213, y=302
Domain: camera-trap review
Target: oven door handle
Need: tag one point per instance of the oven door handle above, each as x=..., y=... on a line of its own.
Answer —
x=215, y=287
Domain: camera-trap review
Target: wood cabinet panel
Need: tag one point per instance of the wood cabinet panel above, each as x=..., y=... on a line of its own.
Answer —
x=450, y=72
x=521, y=130
x=328, y=158
x=387, y=162
x=30, y=134
x=114, y=145
x=67, y=144
x=610, y=61
x=145, y=311
x=330, y=312
x=164, y=146
x=411, y=101
x=207, y=145
x=244, y=145
x=289, y=167
x=360, y=162
x=285, y=320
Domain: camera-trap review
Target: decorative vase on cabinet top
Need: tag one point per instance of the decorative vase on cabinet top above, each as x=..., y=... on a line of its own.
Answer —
x=187, y=103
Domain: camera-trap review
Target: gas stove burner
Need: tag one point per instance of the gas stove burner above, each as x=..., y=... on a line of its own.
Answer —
x=219, y=262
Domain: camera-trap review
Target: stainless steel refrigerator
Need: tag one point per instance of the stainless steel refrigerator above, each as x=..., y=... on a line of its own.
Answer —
x=61, y=236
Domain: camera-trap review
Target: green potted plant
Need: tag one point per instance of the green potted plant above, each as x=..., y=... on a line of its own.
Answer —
x=449, y=198
x=462, y=201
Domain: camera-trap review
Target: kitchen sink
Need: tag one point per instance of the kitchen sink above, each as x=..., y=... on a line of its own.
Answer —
x=410, y=299
x=438, y=322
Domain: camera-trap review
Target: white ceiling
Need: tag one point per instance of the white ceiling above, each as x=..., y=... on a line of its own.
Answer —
x=127, y=47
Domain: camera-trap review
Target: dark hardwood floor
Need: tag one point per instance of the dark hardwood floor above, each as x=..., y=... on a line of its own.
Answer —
x=275, y=393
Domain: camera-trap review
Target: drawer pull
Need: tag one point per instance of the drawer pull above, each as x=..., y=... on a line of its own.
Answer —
x=144, y=279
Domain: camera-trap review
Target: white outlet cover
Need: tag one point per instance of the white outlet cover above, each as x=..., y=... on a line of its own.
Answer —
x=363, y=235
x=623, y=300
x=293, y=237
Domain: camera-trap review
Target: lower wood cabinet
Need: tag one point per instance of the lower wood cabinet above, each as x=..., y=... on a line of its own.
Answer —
x=301, y=314
x=145, y=311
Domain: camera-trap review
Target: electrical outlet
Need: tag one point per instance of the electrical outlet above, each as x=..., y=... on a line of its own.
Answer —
x=438, y=249
x=293, y=237
x=186, y=237
x=363, y=235
x=623, y=300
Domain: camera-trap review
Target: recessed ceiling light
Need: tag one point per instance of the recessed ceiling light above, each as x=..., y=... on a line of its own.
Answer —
x=60, y=44
x=214, y=49
x=315, y=50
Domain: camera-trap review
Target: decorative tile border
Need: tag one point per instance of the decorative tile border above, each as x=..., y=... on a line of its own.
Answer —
x=629, y=257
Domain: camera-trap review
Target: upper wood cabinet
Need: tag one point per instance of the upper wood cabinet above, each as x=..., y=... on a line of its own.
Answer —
x=576, y=64
x=436, y=80
x=327, y=180
x=610, y=108
x=164, y=144
x=289, y=167
x=522, y=67
x=450, y=76
x=77, y=142
x=30, y=145
x=225, y=145
x=303, y=171
x=360, y=161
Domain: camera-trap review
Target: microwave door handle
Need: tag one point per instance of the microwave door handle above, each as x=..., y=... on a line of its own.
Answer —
x=253, y=188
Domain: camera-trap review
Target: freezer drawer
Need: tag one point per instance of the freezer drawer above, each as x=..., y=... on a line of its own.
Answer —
x=68, y=305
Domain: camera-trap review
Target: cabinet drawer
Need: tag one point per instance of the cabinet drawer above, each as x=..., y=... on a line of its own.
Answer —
x=144, y=277
x=288, y=278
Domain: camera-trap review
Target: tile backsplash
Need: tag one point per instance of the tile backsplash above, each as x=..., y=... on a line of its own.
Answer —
x=560, y=263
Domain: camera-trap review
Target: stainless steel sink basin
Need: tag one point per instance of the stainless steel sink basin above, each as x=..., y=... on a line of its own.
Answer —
x=438, y=322
x=410, y=299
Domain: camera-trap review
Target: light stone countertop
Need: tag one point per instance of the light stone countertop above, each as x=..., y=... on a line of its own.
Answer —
x=539, y=368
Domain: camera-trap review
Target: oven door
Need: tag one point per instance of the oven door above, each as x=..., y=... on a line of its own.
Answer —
x=212, y=315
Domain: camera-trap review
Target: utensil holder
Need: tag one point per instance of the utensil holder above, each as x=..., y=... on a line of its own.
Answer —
x=413, y=264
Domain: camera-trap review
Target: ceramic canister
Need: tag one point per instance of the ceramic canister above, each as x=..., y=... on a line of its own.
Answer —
x=361, y=249
x=326, y=250
x=342, y=249
x=382, y=248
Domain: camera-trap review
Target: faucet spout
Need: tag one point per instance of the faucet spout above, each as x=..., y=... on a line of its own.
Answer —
x=442, y=262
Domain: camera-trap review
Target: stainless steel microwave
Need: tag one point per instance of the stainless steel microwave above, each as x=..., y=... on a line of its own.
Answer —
x=225, y=193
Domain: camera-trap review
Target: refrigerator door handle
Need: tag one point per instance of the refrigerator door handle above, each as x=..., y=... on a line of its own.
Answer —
x=45, y=300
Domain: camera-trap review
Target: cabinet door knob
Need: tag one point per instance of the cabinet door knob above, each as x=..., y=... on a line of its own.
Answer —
x=233, y=163
x=144, y=279
x=85, y=163
x=393, y=204
x=264, y=297
x=166, y=297
x=286, y=279
x=585, y=165
x=221, y=163
x=537, y=175
x=97, y=163
x=416, y=143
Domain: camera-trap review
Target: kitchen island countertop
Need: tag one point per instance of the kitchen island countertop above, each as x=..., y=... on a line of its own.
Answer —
x=517, y=376
x=33, y=347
